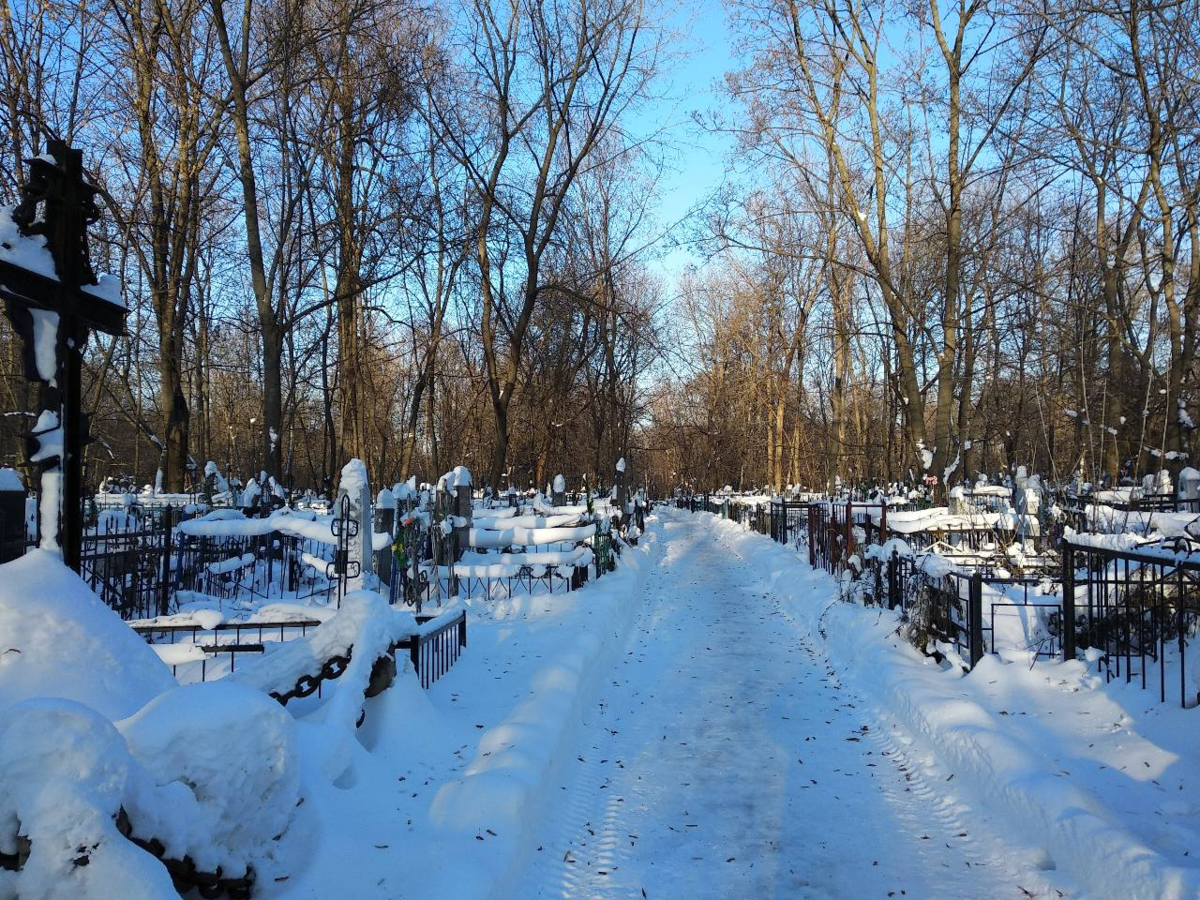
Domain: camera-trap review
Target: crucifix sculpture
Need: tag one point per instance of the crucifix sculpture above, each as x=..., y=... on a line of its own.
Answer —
x=53, y=299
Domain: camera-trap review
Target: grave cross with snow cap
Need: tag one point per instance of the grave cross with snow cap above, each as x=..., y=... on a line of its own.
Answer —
x=355, y=489
x=53, y=299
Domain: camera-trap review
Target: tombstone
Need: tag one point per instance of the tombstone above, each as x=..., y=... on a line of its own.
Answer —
x=355, y=485
x=1162, y=483
x=958, y=502
x=1029, y=504
x=558, y=496
x=619, y=490
x=1189, y=485
x=463, y=503
x=384, y=520
x=54, y=300
x=12, y=515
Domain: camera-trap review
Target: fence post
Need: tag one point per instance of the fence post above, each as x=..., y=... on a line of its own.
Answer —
x=1068, y=599
x=164, y=598
x=849, y=546
x=812, y=531
x=893, y=579
x=975, y=601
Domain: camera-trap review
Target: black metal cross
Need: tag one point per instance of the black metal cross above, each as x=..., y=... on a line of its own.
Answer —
x=53, y=299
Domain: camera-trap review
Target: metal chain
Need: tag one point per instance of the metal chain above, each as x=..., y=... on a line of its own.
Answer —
x=306, y=685
x=184, y=874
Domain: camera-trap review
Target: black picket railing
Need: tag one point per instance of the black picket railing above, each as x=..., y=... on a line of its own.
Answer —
x=437, y=645
x=790, y=522
x=1140, y=609
x=227, y=639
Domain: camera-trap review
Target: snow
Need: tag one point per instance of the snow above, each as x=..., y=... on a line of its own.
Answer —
x=58, y=640
x=710, y=720
x=481, y=538
x=926, y=455
x=179, y=654
x=354, y=478
x=1078, y=771
x=231, y=522
x=560, y=484
x=64, y=772
x=1184, y=417
x=621, y=464
x=45, y=344
x=91, y=722
x=364, y=616
x=10, y=480
x=232, y=564
x=219, y=812
x=107, y=289
x=29, y=253
x=724, y=758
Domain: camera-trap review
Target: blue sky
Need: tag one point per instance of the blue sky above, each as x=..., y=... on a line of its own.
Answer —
x=700, y=56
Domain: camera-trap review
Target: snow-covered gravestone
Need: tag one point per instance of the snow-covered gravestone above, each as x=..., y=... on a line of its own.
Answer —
x=558, y=496
x=355, y=485
x=619, y=489
x=1189, y=485
x=1029, y=505
x=384, y=520
x=463, y=499
x=1162, y=483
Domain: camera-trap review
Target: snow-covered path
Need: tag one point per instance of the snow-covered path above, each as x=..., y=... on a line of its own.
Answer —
x=724, y=760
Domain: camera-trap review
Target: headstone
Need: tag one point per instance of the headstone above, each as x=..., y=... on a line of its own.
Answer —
x=559, y=494
x=1189, y=484
x=619, y=489
x=384, y=518
x=463, y=501
x=355, y=485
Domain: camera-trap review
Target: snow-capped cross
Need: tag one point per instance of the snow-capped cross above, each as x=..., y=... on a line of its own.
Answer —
x=54, y=299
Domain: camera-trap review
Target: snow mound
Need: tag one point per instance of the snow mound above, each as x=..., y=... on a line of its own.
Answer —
x=66, y=772
x=57, y=639
x=224, y=759
x=92, y=723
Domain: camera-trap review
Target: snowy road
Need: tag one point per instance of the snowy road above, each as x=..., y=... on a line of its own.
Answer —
x=724, y=760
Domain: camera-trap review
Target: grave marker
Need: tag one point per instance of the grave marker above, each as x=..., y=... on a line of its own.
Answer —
x=53, y=299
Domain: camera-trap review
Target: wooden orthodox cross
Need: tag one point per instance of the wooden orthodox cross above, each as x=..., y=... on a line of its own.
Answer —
x=53, y=299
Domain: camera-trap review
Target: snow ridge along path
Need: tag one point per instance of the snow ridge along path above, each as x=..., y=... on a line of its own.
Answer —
x=725, y=759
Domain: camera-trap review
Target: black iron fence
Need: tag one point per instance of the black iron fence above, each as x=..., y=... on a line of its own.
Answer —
x=790, y=522
x=1137, y=611
x=437, y=645
x=222, y=643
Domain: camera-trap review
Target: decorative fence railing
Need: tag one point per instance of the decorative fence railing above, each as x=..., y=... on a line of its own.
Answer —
x=839, y=530
x=1136, y=613
x=437, y=645
x=1132, y=612
x=790, y=522
x=221, y=643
